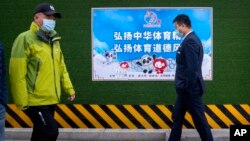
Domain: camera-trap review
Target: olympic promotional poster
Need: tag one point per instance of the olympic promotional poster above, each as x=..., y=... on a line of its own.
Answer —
x=141, y=43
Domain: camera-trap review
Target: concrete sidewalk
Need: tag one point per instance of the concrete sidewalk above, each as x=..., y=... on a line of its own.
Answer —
x=69, y=134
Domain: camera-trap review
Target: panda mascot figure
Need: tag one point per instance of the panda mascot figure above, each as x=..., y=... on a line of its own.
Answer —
x=146, y=63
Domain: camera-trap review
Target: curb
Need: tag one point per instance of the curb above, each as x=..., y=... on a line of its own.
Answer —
x=82, y=134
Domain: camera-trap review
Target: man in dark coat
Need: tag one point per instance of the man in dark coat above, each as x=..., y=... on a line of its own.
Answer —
x=3, y=92
x=189, y=82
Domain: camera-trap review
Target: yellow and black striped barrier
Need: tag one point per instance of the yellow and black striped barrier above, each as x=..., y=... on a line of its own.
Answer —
x=131, y=116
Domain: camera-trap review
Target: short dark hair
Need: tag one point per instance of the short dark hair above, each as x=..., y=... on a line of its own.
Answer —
x=183, y=19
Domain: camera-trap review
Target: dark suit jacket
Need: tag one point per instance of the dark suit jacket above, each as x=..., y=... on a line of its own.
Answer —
x=3, y=87
x=189, y=56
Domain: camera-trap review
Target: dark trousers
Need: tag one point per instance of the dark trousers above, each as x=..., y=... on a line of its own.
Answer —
x=44, y=125
x=193, y=104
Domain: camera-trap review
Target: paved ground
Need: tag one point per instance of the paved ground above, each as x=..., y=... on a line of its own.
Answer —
x=69, y=134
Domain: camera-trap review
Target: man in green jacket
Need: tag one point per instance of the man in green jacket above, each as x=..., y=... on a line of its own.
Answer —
x=37, y=71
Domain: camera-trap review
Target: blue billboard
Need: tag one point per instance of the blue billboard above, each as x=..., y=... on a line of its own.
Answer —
x=141, y=43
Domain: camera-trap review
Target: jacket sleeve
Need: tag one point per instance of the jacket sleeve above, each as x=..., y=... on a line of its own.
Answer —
x=3, y=87
x=65, y=79
x=17, y=73
x=192, y=60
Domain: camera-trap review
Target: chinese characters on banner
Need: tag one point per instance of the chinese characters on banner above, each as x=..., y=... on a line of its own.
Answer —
x=148, y=47
x=141, y=43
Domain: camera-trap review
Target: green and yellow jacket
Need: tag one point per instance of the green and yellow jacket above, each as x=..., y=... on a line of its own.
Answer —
x=37, y=69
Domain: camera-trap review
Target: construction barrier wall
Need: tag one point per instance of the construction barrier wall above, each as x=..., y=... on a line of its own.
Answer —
x=137, y=104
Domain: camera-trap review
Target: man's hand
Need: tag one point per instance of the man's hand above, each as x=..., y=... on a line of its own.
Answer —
x=71, y=97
